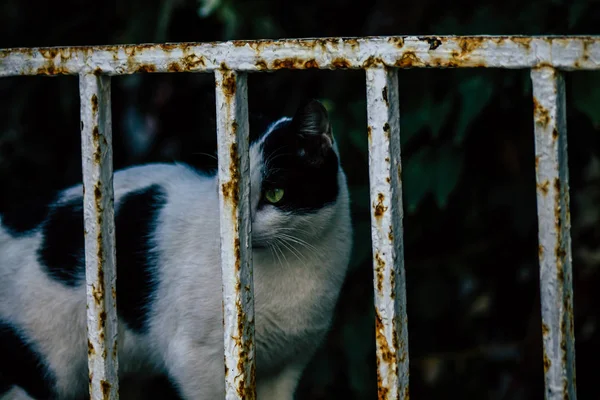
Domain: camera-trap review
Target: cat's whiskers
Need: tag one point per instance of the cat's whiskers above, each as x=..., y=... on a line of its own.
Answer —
x=303, y=243
x=294, y=251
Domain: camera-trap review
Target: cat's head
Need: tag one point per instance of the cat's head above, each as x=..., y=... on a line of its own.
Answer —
x=298, y=187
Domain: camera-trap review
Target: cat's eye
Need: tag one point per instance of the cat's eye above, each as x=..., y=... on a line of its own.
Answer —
x=274, y=195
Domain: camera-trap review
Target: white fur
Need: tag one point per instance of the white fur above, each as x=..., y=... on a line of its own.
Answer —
x=296, y=289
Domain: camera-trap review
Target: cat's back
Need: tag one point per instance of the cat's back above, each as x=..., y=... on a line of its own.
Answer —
x=41, y=245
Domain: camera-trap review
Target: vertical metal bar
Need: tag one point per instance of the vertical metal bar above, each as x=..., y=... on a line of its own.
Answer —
x=98, y=210
x=387, y=232
x=236, y=253
x=554, y=222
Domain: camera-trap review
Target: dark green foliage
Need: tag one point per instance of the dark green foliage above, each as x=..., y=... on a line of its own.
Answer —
x=468, y=168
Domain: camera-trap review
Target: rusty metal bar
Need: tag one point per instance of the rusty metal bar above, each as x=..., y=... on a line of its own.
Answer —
x=569, y=52
x=554, y=221
x=385, y=170
x=236, y=253
x=100, y=260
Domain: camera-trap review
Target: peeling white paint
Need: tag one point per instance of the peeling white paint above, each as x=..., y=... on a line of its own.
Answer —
x=100, y=260
x=556, y=278
x=383, y=116
x=570, y=52
x=236, y=255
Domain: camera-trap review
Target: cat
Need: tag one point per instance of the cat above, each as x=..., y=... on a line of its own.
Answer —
x=169, y=273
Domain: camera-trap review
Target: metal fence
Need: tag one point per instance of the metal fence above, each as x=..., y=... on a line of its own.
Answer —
x=380, y=57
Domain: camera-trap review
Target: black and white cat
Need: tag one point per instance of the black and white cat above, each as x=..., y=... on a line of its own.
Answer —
x=169, y=273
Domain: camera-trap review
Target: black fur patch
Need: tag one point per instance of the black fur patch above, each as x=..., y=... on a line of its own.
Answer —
x=21, y=365
x=136, y=261
x=62, y=249
x=62, y=252
x=24, y=214
x=309, y=179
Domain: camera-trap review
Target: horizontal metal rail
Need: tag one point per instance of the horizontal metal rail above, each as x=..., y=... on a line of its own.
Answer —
x=380, y=57
x=330, y=53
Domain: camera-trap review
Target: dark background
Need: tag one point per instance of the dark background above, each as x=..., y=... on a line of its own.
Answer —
x=467, y=148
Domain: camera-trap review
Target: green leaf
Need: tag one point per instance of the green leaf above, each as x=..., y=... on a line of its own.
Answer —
x=586, y=98
x=449, y=164
x=476, y=93
x=576, y=11
x=438, y=114
x=417, y=177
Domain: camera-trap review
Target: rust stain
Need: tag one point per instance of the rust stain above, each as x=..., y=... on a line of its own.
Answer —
x=97, y=150
x=231, y=188
x=384, y=94
x=51, y=69
x=341, y=63
x=434, y=42
x=102, y=320
x=409, y=59
x=351, y=42
x=545, y=329
x=547, y=363
x=387, y=354
x=174, y=67
x=247, y=383
x=540, y=252
x=521, y=41
x=388, y=179
x=469, y=44
x=105, y=387
x=192, y=61
x=238, y=255
x=406, y=393
x=380, y=209
x=369, y=129
x=554, y=134
x=541, y=114
x=383, y=392
x=379, y=271
x=94, y=104
x=229, y=84
x=91, y=350
x=261, y=64
x=312, y=63
x=391, y=234
x=98, y=71
x=397, y=41
x=49, y=53
x=386, y=130
x=537, y=163
x=544, y=187
x=299, y=63
x=372, y=62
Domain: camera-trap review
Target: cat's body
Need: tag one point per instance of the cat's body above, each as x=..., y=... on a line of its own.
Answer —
x=169, y=274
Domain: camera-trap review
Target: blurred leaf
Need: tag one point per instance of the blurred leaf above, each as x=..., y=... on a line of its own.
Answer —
x=576, y=11
x=361, y=251
x=417, y=176
x=448, y=166
x=586, y=85
x=358, y=340
x=434, y=171
x=207, y=7
x=476, y=93
x=438, y=114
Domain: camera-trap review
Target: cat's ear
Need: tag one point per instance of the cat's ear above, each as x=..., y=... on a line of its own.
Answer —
x=313, y=129
x=311, y=119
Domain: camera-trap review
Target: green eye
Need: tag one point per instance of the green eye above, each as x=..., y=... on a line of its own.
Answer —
x=274, y=195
